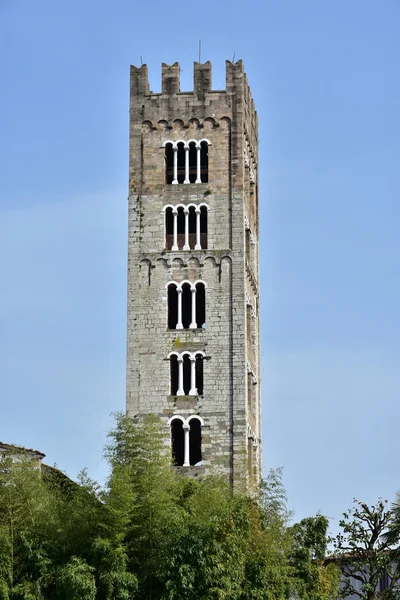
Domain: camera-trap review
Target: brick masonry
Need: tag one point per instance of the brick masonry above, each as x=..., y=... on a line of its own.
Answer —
x=231, y=436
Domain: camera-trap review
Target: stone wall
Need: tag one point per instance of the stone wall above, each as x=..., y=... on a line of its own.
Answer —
x=228, y=120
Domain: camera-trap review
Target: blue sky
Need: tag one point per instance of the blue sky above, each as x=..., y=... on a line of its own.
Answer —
x=325, y=77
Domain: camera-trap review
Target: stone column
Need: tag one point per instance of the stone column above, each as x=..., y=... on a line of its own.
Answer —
x=198, y=243
x=186, y=460
x=198, y=178
x=193, y=324
x=180, y=391
x=187, y=180
x=193, y=388
x=175, y=242
x=179, y=324
x=175, y=149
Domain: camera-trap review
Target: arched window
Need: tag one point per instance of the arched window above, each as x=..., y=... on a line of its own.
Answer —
x=199, y=374
x=181, y=225
x=174, y=374
x=200, y=305
x=186, y=372
x=169, y=228
x=186, y=227
x=186, y=162
x=187, y=376
x=203, y=226
x=172, y=306
x=192, y=162
x=177, y=442
x=204, y=162
x=181, y=162
x=186, y=440
x=192, y=227
x=186, y=305
x=195, y=456
x=169, y=163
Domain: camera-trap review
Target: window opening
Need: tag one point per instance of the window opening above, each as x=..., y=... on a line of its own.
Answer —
x=192, y=227
x=172, y=306
x=186, y=374
x=203, y=227
x=249, y=324
x=181, y=228
x=200, y=305
x=250, y=458
x=177, y=442
x=250, y=393
x=169, y=164
x=169, y=228
x=199, y=374
x=186, y=305
x=174, y=372
x=204, y=162
x=195, y=442
x=192, y=162
x=248, y=245
x=181, y=163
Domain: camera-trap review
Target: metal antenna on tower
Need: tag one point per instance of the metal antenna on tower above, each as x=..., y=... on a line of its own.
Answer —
x=199, y=51
x=141, y=61
x=233, y=57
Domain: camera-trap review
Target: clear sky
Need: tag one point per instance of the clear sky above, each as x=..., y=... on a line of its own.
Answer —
x=325, y=77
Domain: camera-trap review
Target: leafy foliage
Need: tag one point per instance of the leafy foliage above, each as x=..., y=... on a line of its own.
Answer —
x=367, y=551
x=152, y=534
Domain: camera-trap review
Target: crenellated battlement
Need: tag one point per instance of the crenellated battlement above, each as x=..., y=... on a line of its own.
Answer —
x=202, y=80
x=202, y=103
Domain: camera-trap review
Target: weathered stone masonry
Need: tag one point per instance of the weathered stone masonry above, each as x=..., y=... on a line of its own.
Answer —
x=225, y=350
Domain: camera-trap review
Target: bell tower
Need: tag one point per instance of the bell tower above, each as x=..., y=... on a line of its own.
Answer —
x=193, y=349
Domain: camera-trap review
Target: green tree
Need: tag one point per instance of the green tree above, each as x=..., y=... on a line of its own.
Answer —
x=149, y=488
x=367, y=552
x=312, y=579
x=75, y=581
x=26, y=515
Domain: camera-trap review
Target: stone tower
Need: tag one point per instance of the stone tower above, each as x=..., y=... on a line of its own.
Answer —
x=193, y=350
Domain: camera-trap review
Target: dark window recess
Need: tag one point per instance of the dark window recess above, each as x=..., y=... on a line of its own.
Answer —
x=174, y=369
x=250, y=392
x=195, y=442
x=186, y=374
x=177, y=442
x=199, y=374
x=192, y=163
x=249, y=324
x=203, y=227
x=181, y=228
x=200, y=305
x=250, y=458
x=172, y=307
x=186, y=305
x=248, y=245
x=204, y=162
x=169, y=164
x=192, y=227
x=181, y=163
x=169, y=228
